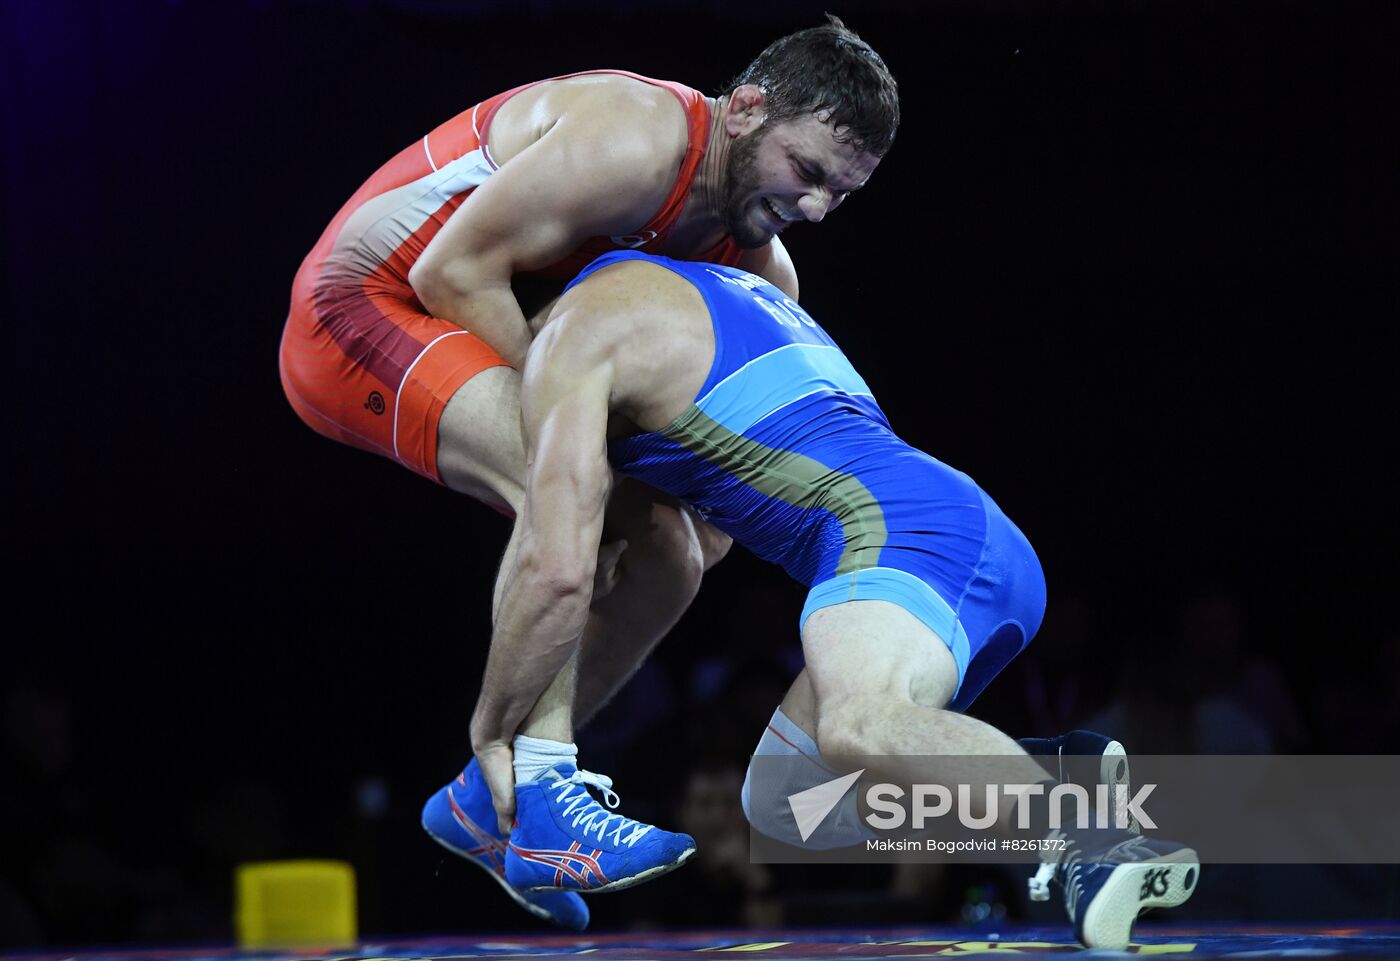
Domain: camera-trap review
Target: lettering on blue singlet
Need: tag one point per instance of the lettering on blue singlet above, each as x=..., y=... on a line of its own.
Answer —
x=742, y=279
x=785, y=312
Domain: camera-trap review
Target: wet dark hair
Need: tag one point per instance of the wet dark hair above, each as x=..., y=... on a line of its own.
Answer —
x=829, y=68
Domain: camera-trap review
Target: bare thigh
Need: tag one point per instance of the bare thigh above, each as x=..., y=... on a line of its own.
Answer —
x=882, y=680
x=481, y=450
x=872, y=648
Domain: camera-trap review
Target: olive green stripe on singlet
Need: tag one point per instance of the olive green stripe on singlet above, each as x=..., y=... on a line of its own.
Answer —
x=793, y=479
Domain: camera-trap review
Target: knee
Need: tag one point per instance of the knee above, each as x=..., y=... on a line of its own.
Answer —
x=714, y=544
x=662, y=549
x=852, y=727
x=674, y=544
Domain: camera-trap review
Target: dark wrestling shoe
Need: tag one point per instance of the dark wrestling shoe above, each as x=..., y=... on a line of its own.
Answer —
x=564, y=840
x=462, y=819
x=1110, y=877
x=1088, y=759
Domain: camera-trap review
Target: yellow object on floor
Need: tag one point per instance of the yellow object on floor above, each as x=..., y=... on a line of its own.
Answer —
x=283, y=903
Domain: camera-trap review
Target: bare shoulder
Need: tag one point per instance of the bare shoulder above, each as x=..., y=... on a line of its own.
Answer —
x=635, y=123
x=651, y=326
x=627, y=304
x=774, y=264
x=635, y=291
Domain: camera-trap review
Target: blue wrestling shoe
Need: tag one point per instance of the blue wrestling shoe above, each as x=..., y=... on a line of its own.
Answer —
x=462, y=819
x=1110, y=877
x=565, y=840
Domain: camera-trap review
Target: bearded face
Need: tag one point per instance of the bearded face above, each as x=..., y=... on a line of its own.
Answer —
x=784, y=172
x=740, y=210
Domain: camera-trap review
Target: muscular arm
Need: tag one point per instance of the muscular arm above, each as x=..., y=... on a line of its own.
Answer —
x=548, y=583
x=773, y=263
x=601, y=168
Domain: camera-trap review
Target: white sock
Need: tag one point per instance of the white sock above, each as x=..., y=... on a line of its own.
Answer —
x=535, y=755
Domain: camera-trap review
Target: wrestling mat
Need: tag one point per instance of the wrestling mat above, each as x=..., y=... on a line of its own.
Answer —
x=1361, y=940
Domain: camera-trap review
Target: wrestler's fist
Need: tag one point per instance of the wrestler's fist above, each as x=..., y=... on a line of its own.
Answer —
x=498, y=770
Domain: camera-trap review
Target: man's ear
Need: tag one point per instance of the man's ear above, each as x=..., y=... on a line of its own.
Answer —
x=747, y=110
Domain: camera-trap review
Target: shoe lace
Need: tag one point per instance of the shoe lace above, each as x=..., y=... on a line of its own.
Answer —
x=1133, y=849
x=1049, y=863
x=589, y=815
x=1067, y=860
x=1071, y=881
x=1040, y=884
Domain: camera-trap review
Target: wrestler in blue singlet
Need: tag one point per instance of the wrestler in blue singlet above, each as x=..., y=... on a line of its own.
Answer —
x=786, y=451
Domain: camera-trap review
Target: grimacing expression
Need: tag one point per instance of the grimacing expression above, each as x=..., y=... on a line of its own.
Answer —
x=790, y=171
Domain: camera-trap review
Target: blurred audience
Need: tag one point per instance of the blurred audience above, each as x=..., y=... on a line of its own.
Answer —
x=1199, y=689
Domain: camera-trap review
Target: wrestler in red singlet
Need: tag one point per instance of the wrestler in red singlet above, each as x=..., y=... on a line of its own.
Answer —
x=361, y=361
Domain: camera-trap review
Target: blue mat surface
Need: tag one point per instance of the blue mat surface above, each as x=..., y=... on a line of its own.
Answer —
x=1361, y=940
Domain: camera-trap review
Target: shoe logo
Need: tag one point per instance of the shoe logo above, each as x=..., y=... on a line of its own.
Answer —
x=375, y=404
x=1155, y=884
x=489, y=852
x=574, y=864
x=810, y=807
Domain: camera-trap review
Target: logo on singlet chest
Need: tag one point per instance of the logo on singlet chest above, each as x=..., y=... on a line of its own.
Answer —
x=633, y=241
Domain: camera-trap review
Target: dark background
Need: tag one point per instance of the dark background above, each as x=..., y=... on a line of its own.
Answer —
x=1130, y=265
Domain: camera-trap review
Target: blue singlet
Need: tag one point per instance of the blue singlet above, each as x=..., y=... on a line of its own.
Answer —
x=786, y=451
